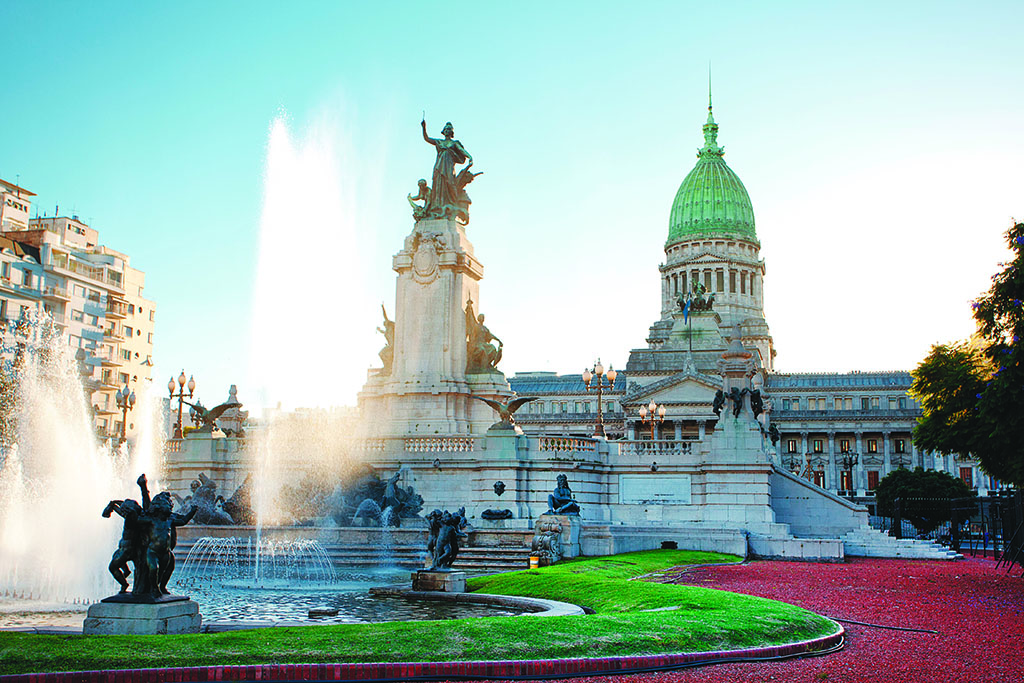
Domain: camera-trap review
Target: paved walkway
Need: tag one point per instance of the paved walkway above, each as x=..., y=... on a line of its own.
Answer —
x=977, y=610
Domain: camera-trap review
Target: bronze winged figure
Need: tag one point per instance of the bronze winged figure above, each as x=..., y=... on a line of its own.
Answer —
x=506, y=410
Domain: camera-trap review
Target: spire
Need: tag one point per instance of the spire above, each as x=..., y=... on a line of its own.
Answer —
x=710, y=118
x=710, y=128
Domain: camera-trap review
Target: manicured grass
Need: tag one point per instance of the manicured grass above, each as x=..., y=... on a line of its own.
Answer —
x=691, y=619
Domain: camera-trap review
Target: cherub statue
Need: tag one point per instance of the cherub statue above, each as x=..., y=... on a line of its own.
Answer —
x=423, y=195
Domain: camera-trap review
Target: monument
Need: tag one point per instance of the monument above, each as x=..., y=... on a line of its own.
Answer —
x=147, y=542
x=439, y=352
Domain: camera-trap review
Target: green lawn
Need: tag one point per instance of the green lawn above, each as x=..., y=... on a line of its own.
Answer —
x=699, y=619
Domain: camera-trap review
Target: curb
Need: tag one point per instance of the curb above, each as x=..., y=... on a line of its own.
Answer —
x=384, y=671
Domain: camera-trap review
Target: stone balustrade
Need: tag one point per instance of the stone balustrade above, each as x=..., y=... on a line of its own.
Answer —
x=659, y=448
x=564, y=444
x=439, y=444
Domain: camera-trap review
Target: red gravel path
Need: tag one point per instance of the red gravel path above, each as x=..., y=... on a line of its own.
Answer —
x=977, y=610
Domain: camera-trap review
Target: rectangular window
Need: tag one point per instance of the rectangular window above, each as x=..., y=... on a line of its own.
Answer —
x=128, y=332
x=900, y=446
x=126, y=354
x=838, y=403
x=893, y=403
x=720, y=281
x=848, y=403
x=79, y=290
x=151, y=314
x=872, y=480
x=796, y=404
x=864, y=403
x=785, y=404
x=565, y=406
x=732, y=281
x=791, y=446
x=77, y=316
x=149, y=337
x=844, y=445
x=26, y=278
x=872, y=446
x=5, y=271
x=94, y=295
x=874, y=402
x=818, y=445
x=122, y=378
x=902, y=404
x=967, y=476
x=94, y=321
x=743, y=283
x=846, y=480
x=819, y=478
x=608, y=407
x=707, y=280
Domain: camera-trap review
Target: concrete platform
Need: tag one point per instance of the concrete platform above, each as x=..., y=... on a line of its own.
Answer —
x=122, y=618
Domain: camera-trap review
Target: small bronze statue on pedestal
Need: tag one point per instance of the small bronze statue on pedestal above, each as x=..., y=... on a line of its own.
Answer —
x=147, y=541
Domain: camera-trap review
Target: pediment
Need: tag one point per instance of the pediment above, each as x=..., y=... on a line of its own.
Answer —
x=703, y=257
x=683, y=387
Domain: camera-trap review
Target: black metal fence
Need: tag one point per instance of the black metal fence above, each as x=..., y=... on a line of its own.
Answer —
x=991, y=526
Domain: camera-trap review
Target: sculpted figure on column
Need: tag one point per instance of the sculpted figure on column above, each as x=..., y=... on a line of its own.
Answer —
x=481, y=354
x=448, y=198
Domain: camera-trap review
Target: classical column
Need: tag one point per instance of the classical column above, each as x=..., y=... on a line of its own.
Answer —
x=630, y=430
x=886, y=459
x=832, y=473
x=679, y=429
x=702, y=429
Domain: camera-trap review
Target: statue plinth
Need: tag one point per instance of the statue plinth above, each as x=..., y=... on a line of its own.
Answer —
x=445, y=582
x=427, y=389
x=133, y=618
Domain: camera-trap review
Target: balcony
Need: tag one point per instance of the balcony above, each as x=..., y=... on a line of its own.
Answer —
x=116, y=308
x=56, y=294
x=663, y=448
x=112, y=335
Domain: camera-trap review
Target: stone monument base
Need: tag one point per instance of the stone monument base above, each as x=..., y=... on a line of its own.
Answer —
x=446, y=582
x=127, y=618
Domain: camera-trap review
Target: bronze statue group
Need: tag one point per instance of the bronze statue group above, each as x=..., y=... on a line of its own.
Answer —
x=147, y=542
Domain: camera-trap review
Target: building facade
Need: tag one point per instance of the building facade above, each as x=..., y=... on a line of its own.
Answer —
x=94, y=297
x=842, y=432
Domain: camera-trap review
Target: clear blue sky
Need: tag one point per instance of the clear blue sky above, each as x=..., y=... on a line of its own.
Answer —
x=880, y=143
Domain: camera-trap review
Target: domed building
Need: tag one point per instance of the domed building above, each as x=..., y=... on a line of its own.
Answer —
x=712, y=244
x=843, y=432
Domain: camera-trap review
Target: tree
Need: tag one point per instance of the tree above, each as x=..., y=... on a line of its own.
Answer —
x=972, y=393
x=923, y=495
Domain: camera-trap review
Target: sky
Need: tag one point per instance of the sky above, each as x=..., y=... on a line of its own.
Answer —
x=253, y=159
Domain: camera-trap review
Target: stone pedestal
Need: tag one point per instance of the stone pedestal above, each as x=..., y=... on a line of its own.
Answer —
x=126, y=618
x=427, y=391
x=446, y=582
x=569, y=538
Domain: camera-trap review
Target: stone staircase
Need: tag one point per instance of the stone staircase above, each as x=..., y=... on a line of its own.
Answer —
x=869, y=542
x=471, y=559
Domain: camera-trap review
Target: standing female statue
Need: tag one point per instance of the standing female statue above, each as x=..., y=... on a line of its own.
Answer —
x=444, y=191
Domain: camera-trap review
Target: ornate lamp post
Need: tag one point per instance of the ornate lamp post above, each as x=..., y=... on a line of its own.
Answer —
x=181, y=397
x=598, y=372
x=652, y=413
x=125, y=401
x=849, y=460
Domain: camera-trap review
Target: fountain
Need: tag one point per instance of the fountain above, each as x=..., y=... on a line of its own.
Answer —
x=55, y=478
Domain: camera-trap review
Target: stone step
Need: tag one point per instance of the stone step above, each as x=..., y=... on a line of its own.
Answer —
x=870, y=542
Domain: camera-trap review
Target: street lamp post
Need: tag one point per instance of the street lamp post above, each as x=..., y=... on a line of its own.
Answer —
x=849, y=460
x=598, y=372
x=125, y=401
x=652, y=413
x=181, y=397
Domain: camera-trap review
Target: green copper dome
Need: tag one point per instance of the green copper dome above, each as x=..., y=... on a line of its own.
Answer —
x=711, y=201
